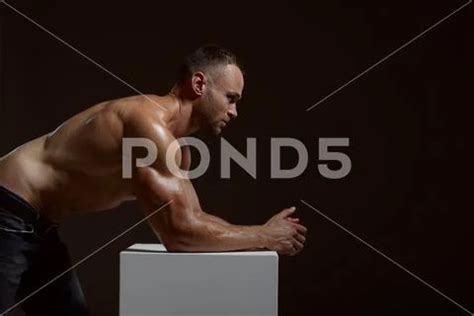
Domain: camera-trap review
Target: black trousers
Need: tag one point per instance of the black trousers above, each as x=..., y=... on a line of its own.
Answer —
x=32, y=256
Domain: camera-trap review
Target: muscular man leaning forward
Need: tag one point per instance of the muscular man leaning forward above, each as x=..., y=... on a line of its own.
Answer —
x=78, y=168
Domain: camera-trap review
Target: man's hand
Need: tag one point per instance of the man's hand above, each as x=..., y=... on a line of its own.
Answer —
x=284, y=233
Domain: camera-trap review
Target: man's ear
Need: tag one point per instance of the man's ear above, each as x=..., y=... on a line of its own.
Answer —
x=198, y=83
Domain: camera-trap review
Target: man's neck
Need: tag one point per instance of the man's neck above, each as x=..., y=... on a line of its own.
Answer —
x=183, y=121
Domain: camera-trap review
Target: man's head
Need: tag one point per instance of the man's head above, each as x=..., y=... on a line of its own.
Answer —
x=214, y=82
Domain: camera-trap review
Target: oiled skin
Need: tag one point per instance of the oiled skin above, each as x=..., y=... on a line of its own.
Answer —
x=78, y=168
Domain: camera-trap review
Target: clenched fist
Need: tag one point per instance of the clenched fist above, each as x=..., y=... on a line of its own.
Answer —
x=284, y=233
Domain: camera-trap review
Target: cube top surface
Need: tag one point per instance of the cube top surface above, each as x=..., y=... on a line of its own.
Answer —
x=159, y=248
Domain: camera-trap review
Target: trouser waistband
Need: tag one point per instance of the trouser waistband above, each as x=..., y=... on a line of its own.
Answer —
x=13, y=203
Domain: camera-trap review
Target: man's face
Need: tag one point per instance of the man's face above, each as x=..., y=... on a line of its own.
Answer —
x=219, y=101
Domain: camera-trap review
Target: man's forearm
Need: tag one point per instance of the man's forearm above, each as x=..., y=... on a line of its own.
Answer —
x=216, y=219
x=225, y=223
x=209, y=234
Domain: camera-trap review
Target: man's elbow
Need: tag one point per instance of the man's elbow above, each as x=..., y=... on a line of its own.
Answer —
x=178, y=247
x=183, y=238
x=177, y=244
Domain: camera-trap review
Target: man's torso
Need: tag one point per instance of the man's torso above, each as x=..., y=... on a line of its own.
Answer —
x=77, y=167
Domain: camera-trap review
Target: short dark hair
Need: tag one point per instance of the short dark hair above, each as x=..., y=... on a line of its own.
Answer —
x=203, y=58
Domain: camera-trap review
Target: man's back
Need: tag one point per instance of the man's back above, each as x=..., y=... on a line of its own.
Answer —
x=77, y=167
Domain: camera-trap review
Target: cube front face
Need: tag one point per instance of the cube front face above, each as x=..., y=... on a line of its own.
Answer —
x=160, y=283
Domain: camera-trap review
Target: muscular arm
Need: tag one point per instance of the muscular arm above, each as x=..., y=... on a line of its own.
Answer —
x=182, y=225
x=217, y=219
x=185, y=165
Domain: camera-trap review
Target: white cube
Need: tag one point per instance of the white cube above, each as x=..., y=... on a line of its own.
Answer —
x=160, y=283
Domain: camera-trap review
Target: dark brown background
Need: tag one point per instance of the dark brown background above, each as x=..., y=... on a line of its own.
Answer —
x=409, y=193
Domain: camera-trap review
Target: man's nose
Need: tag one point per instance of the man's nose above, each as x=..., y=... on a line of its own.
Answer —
x=232, y=111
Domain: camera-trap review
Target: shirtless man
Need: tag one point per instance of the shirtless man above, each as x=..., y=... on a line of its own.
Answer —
x=78, y=168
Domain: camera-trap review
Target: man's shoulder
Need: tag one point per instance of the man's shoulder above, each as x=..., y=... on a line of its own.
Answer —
x=144, y=117
x=139, y=105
